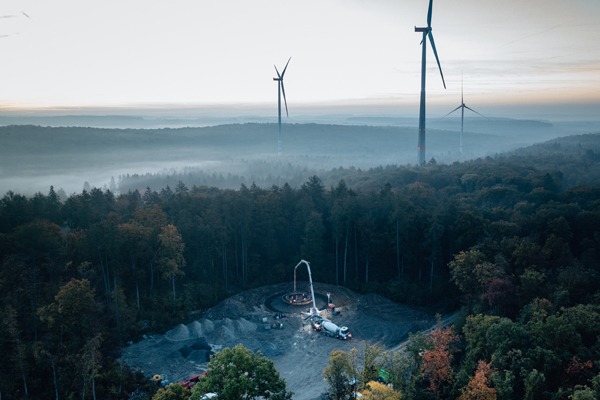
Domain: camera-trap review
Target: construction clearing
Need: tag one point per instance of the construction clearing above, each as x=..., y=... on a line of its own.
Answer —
x=263, y=319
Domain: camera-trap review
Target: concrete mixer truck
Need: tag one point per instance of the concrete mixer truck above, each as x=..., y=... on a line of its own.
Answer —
x=331, y=329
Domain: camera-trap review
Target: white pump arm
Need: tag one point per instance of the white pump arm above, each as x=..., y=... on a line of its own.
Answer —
x=314, y=309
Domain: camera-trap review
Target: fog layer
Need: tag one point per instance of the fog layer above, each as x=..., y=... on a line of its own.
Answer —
x=34, y=157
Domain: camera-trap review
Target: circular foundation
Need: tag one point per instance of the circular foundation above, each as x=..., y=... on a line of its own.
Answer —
x=297, y=298
x=276, y=304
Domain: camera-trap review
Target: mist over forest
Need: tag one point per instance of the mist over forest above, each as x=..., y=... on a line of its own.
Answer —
x=73, y=157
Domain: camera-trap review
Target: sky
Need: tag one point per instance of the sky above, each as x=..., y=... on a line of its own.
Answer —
x=346, y=54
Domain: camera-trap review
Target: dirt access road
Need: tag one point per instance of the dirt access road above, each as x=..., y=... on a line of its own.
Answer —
x=299, y=354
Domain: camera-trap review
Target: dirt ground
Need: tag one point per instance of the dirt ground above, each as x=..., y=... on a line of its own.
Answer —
x=299, y=354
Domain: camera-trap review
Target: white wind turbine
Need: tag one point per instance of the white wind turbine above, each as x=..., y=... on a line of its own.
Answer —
x=280, y=90
x=462, y=113
x=426, y=34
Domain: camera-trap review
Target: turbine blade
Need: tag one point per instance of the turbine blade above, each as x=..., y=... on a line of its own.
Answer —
x=436, y=57
x=462, y=97
x=469, y=108
x=278, y=74
x=457, y=108
x=284, y=99
x=429, y=14
x=283, y=73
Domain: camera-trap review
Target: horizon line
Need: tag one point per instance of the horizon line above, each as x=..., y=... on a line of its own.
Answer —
x=388, y=107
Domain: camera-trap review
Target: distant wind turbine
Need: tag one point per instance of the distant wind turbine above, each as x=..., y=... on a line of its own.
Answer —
x=462, y=113
x=426, y=33
x=280, y=90
x=13, y=16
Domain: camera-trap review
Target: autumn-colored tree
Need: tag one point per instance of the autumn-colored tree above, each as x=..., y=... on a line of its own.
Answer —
x=437, y=361
x=500, y=294
x=338, y=374
x=90, y=364
x=378, y=391
x=71, y=347
x=462, y=268
x=174, y=391
x=479, y=387
x=370, y=363
x=578, y=370
x=473, y=274
x=171, y=260
x=74, y=314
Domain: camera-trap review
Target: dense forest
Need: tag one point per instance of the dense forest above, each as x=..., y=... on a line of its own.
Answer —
x=514, y=241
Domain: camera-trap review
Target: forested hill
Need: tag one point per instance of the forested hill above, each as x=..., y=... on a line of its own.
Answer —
x=573, y=160
x=69, y=156
x=577, y=157
x=243, y=140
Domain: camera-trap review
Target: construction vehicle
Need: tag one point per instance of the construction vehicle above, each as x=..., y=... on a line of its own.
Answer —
x=274, y=325
x=318, y=322
x=339, y=332
x=191, y=382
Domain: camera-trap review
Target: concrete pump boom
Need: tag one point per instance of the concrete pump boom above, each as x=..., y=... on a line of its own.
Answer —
x=314, y=310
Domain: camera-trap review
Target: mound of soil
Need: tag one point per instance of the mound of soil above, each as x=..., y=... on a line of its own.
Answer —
x=253, y=318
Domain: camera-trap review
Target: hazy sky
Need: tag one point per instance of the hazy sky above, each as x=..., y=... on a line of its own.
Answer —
x=138, y=52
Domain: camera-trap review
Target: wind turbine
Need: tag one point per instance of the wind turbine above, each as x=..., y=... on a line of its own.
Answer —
x=426, y=33
x=13, y=16
x=280, y=89
x=462, y=113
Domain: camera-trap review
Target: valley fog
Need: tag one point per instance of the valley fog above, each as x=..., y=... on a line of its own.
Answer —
x=124, y=158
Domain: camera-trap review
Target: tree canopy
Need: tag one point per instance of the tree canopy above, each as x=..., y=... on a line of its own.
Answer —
x=236, y=373
x=513, y=241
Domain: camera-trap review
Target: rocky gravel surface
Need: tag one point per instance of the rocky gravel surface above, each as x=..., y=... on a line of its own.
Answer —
x=253, y=318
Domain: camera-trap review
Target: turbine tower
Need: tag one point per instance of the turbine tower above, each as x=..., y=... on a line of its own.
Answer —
x=280, y=90
x=426, y=34
x=462, y=113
